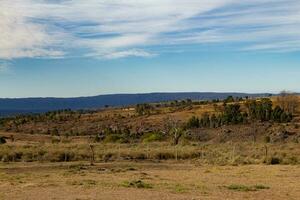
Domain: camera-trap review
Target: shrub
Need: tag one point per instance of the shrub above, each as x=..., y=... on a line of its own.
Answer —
x=275, y=161
x=55, y=140
x=164, y=156
x=261, y=187
x=244, y=188
x=136, y=184
x=179, y=188
x=153, y=137
x=107, y=157
x=113, y=138
x=2, y=140
x=144, y=109
x=267, y=139
x=241, y=188
x=193, y=122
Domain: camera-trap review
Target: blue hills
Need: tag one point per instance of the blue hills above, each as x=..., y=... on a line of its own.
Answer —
x=15, y=106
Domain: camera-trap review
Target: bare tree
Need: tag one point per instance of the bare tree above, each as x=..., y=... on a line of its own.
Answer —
x=175, y=129
x=288, y=101
x=92, y=158
x=92, y=152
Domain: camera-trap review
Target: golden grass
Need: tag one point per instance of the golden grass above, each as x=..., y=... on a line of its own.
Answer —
x=217, y=154
x=167, y=180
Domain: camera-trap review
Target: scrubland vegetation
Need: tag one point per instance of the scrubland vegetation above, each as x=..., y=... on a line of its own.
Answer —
x=207, y=154
x=235, y=132
x=232, y=131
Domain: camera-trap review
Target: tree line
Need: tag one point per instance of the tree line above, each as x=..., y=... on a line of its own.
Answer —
x=256, y=110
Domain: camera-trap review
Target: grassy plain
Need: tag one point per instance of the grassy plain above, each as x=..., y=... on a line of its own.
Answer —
x=147, y=180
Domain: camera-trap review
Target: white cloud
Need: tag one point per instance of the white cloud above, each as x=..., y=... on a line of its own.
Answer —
x=21, y=38
x=122, y=28
x=127, y=53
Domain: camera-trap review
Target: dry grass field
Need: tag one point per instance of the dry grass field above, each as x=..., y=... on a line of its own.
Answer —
x=213, y=154
x=147, y=180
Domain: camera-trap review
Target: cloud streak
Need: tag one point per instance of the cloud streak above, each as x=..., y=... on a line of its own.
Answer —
x=112, y=29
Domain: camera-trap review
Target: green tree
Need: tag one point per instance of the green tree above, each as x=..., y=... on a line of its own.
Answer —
x=144, y=109
x=193, y=122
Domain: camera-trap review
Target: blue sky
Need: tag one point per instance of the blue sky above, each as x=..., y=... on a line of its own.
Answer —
x=66, y=48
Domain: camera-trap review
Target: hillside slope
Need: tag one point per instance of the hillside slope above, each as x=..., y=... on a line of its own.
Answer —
x=38, y=105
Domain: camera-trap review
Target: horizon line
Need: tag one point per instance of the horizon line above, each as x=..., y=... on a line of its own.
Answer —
x=139, y=93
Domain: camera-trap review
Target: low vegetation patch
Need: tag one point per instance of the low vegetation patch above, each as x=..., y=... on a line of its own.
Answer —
x=85, y=183
x=2, y=140
x=214, y=154
x=245, y=188
x=180, y=188
x=153, y=137
x=136, y=184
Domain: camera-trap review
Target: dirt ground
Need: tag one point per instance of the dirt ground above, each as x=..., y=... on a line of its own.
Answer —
x=137, y=181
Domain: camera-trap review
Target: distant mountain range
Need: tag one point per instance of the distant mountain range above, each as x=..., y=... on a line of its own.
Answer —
x=16, y=106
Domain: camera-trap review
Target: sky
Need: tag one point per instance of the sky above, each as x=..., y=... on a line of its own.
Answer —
x=70, y=48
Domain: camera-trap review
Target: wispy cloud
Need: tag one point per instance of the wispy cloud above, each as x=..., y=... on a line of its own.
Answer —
x=124, y=54
x=120, y=28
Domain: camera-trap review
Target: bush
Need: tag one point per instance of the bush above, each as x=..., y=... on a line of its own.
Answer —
x=2, y=140
x=193, y=122
x=114, y=138
x=136, y=184
x=164, y=156
x=144, y=109
x=241, y=188
x=55, y=140
x=244, y=188
x=267, y=139
x=275, y=161
x=153, y=137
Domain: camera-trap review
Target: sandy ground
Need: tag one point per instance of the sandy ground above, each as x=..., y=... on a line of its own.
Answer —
x=111, y=181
